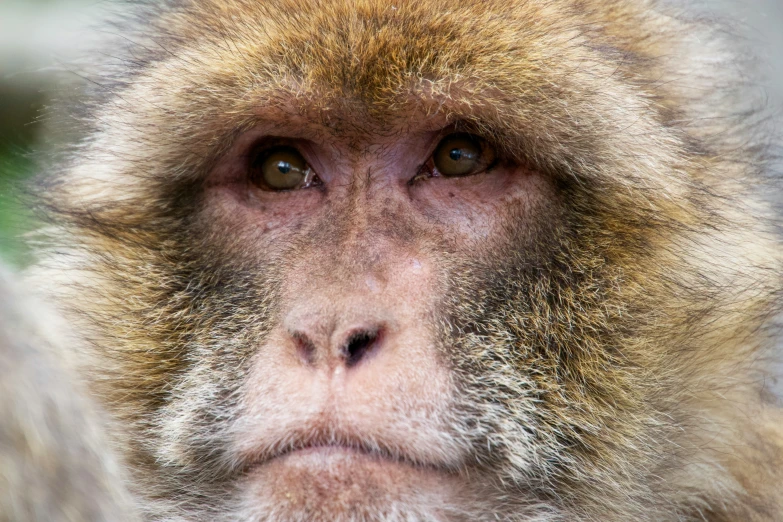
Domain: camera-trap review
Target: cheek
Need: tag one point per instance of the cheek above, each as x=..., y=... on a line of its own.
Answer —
x=247, y=226
x=481, y=208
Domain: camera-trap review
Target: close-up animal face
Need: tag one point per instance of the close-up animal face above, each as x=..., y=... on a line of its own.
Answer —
x=371, y=260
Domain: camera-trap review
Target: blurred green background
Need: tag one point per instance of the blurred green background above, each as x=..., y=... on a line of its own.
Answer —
x=38, y=36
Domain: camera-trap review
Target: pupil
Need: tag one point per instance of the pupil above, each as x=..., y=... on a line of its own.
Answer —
x=455, y=154
x=284, y=167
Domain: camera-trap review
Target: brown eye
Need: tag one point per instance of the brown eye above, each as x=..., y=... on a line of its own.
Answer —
x=281, y=168
x=461, y=155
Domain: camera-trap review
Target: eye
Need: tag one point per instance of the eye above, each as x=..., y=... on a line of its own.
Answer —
x=462, y=155
x=281, y=168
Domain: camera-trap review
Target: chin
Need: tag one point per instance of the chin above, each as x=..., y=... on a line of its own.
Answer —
x=333, y=483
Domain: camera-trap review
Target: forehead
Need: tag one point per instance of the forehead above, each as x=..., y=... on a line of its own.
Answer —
x=384, y=64
x=365, y=49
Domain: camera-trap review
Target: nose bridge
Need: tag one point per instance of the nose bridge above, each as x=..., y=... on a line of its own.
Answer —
x=353, y=278
x=362, y=203
x=374, y=227
x=362, y=244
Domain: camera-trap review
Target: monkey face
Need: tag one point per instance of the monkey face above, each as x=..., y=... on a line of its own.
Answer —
x=350, y=385
x=402, y=262
x=349, y=399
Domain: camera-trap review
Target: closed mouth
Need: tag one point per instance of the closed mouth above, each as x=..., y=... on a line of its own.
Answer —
x=338, y=448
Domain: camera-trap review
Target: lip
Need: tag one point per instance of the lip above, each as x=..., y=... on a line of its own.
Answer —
x=330, y=448
x=335, y=479
x=337, y=471
x=318, y=454
x=336, y=452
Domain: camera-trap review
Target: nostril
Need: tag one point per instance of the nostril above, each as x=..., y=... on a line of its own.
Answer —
x=304, y=347
x=359, y=345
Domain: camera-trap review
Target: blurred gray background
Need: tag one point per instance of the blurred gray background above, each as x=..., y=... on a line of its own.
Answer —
x=38, y=36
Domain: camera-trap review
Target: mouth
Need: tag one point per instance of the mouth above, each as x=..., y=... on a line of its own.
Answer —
x=341, y=478
x=328, y=457
x=319, y=451
x=336, y=471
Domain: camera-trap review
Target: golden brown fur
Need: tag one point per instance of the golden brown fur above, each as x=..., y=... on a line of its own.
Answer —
x=612, y=347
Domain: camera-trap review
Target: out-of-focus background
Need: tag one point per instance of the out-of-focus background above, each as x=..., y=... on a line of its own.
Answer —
x=39, y=37
x=36, y=38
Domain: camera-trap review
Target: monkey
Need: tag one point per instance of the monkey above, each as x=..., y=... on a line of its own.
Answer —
x=358, y=260
x=55, y=462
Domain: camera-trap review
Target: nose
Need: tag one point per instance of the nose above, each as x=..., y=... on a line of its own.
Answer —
x=347, y=345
